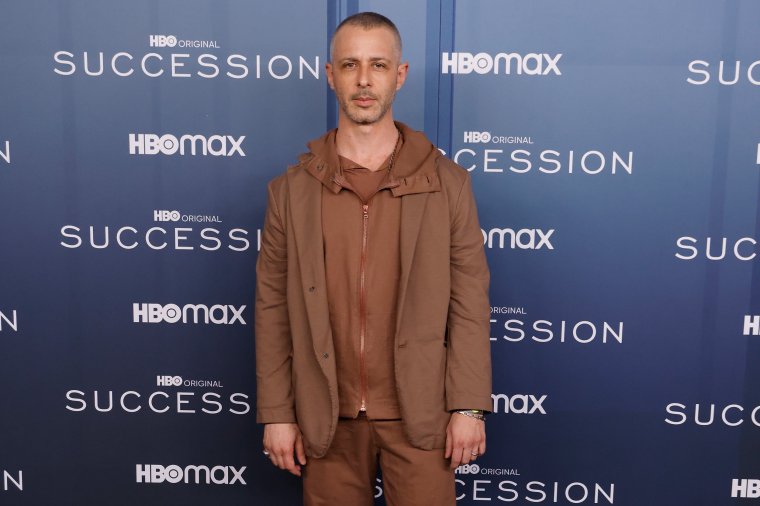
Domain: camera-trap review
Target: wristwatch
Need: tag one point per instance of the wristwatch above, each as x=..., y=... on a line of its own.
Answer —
x=478, y=414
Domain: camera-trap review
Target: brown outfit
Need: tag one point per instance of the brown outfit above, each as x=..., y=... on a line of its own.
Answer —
x=361, y=221
x=440, y=329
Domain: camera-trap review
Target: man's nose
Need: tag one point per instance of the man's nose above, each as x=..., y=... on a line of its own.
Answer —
x=363, y=77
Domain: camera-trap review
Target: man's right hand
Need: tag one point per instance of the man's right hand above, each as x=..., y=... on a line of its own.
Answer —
x=282, y=440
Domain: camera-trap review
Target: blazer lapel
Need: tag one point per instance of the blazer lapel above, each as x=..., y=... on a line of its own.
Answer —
x=412, y=210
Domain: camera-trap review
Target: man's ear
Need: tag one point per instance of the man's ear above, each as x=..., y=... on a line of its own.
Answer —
x=401, y=73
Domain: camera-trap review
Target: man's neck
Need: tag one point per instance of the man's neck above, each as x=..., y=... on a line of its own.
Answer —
x=367, y=145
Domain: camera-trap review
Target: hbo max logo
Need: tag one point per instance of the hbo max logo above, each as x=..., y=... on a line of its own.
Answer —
x=531, y=64
x=216, y=145
x=220, y=314
x=218, y=475
x=163, y=41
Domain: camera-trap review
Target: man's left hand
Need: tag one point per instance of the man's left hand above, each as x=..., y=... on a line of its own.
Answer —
x=465, y=439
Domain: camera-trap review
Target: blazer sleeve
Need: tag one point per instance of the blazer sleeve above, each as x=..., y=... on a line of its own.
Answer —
x=274, y=347
x=468, y=365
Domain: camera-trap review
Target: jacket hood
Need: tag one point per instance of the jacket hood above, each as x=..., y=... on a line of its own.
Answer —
x=414, y=170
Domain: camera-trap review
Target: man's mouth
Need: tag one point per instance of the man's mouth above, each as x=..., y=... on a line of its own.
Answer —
x=363, y=100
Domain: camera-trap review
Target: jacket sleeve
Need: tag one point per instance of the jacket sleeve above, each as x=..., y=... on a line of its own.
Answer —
x=274, y=348
x=468, y=365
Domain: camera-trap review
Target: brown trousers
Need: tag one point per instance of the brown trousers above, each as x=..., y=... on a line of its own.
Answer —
x=345, y=476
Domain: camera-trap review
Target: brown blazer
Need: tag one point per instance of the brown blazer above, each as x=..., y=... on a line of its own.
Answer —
x=442, y=352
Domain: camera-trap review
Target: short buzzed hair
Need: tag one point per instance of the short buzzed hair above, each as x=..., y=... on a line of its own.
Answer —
x=368, y=20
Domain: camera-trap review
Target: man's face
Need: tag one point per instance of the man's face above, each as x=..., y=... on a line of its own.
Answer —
x=365, y=72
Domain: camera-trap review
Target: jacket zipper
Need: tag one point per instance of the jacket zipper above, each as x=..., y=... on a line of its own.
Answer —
x=363, y=310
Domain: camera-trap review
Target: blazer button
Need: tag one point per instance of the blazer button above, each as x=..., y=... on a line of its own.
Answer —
x=311, y=289
x=325, y=355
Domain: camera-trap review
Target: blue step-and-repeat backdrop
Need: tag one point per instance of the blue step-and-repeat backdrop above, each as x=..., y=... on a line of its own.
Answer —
x=614, y=149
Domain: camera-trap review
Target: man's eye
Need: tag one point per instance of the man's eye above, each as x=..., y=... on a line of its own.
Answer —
x=349, y=65
x=380, y=65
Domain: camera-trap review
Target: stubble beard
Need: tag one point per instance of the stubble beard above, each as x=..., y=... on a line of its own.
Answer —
x=365, y=117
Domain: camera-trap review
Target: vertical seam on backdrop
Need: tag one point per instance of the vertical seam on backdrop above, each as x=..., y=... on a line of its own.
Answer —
x=445, y=81
x=432, y=69
x=438, y=88
x=717, y=208
x=747, y=462
x=450, y=111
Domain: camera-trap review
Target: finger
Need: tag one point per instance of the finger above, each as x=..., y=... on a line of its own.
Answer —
x=447, y=453
x=294, y=469
x=300, y=452
x=482, y=447
x=456, y=458
x=289, y=463
x=282, y=459
x=466, y=456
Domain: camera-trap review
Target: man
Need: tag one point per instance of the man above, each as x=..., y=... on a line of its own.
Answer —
x=372, y=314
